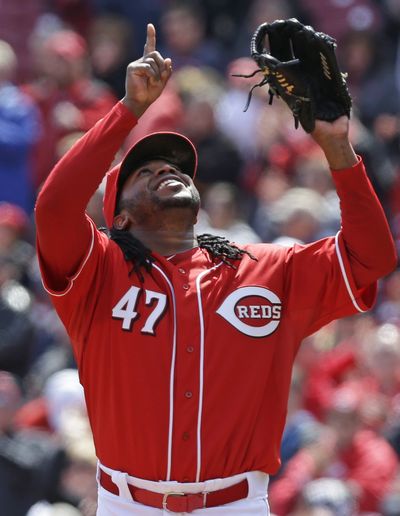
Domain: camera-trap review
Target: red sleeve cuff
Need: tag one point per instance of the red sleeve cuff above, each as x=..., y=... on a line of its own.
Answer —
x=357, y=166
x=124, y=112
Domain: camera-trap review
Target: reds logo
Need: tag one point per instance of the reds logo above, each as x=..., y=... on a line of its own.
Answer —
x=254, y=311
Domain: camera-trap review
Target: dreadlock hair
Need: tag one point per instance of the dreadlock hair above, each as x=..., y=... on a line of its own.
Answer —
x=140, y=255
x=220, y=247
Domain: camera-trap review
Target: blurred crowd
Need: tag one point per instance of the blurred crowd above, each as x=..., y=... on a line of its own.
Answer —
x=62, y=67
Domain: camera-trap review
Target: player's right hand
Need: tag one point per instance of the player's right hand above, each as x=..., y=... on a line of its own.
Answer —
x=146, y=78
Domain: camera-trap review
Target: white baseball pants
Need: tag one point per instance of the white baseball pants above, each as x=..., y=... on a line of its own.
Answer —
x=256, y=503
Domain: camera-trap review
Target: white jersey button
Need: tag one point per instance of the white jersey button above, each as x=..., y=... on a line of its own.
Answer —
x=182, y=271
x=186, y=286
x=190, y=349
x=188, y=394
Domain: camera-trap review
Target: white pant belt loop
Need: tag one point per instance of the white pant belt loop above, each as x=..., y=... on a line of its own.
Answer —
x=121, y=480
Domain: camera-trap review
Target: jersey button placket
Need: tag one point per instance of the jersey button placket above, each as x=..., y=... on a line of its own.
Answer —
x=184, y=459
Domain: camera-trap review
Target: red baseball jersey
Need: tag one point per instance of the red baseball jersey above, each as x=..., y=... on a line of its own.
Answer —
x=187, y=374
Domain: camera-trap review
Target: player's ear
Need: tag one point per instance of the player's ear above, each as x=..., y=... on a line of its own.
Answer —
x=121, y=221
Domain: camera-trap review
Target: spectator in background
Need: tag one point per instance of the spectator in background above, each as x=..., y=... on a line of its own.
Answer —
x=297, y=217
x=391, y=502
x=301, y=428
x=185, y=40
x=75, y=14
x=372, y=362
x=55, y=509
x=69, y=98
x=30, y=462
x=68, y=421
x=239, y=126
x=347, y=451
x=17, y=330
x=222, y=215
x=16, y=28
x=219, y=160
x=337, y=18
x=110, y=44
x=388, y=310
x=137, y=13
x=367, y=58
x=375, y=152
x=259, y=12
x=60, y=412
x=224, y=18
x=19, y=129
x=326, y=497
x=14, y=231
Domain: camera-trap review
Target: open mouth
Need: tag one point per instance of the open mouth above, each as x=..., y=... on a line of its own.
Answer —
x=172, y=183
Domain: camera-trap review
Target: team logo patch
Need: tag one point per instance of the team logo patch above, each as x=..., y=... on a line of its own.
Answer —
x=254, y=311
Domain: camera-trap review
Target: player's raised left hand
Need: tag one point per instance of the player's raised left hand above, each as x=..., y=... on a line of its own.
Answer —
x=146, y=78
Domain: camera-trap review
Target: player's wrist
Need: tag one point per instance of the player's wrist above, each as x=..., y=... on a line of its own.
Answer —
x=339, y=153
x=136, y=108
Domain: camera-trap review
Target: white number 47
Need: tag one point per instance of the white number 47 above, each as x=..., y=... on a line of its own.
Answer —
x=125, y=309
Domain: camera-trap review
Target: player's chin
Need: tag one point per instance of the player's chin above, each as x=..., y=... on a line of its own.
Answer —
x=186, y=200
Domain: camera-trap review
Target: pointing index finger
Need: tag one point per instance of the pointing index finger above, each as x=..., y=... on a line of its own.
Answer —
x=150, y=45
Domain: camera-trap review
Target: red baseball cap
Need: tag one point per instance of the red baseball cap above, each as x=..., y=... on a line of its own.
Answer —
x=173, y=147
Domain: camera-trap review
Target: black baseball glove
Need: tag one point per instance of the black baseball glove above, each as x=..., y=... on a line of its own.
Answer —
x=302, y=69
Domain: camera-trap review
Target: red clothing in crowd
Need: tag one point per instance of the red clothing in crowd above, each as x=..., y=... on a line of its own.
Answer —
x=325, y=377
x=369, y=462
x=91, y=98
x=340, y=368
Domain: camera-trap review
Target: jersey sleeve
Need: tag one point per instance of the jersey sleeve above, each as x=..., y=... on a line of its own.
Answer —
x=337, y=276
x=70, y=279
x=65, y=235
x=76, y=303
x=365, y=232
x=320, y=286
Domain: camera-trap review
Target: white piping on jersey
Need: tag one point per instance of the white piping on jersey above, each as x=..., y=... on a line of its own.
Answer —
x=346, y=280
x=71, y=281
x=172, y=375
x=201, y=375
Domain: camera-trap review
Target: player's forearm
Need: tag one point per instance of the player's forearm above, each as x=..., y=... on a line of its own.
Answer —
x=365, y=230
x=339, y=153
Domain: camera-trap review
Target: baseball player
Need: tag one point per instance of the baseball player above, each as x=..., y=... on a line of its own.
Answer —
x=185, y=343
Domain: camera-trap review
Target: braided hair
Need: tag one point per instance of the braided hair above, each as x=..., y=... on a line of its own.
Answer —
x=141, y=258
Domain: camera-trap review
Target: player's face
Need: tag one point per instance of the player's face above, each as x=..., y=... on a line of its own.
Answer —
x=156, y=186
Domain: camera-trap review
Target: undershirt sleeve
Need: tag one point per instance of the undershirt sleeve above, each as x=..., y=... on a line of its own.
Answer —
x=64, y=231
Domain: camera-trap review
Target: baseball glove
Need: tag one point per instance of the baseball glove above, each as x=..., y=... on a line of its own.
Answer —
x=302, y=69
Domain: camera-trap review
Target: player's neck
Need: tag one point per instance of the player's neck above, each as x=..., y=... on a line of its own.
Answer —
x=166, y=241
